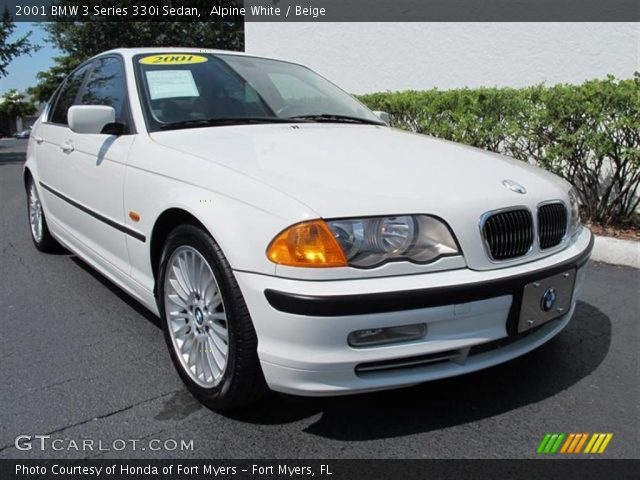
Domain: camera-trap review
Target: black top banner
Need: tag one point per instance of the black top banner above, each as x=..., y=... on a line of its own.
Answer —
x=324, y=10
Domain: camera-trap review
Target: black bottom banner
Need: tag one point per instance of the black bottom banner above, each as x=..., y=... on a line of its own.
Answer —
x=320, y=469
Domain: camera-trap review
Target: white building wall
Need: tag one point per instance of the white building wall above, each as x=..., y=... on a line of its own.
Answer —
x=370, y=57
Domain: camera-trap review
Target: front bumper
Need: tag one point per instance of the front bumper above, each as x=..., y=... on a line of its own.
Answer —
x=302, y=326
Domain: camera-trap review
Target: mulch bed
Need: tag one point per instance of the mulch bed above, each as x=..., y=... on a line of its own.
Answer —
x=629, y=233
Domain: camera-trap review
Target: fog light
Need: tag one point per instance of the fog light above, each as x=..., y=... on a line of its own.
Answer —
x=382, y=336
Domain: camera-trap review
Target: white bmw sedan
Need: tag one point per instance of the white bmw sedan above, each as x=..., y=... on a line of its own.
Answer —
x=287, y=237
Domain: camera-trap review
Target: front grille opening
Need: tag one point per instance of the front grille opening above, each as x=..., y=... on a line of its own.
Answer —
x=407, y=362
x=552, y=224
x=502, y=342
x=508, y=234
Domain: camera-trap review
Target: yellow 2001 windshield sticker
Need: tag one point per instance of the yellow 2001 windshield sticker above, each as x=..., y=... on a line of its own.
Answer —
x=173, y=59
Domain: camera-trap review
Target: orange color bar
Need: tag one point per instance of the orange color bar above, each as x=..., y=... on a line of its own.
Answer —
x=567, y=442
x=581, y=443
x=574, y=443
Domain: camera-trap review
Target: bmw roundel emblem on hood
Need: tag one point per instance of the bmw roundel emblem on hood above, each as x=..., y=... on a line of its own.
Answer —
x=514, y=186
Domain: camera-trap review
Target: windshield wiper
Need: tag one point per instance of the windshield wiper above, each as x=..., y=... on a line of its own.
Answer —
x=335, y=118
x=213, y=122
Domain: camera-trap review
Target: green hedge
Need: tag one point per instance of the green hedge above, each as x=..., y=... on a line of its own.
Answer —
x=589, y=133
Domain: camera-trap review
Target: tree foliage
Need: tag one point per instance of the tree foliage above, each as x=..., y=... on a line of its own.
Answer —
x=80, y=40
x=49, y=80
x=15, y=104
x=11, y=49
x=589, y=134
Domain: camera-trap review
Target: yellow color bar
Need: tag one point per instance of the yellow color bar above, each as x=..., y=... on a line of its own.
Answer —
x=606, y=441
x=599, y=441
x=594, y=437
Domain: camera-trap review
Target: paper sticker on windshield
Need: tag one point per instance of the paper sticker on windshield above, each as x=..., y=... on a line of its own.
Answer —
x=171, y=84
x=173, y=59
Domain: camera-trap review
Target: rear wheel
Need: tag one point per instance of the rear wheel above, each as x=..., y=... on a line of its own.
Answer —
x=206, y=323
x=42, y=238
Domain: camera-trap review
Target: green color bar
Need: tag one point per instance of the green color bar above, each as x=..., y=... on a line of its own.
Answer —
x=543, y=442
x=550, y=443
x=558, y=442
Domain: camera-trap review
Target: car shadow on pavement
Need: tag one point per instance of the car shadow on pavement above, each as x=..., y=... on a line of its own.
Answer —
x=117, y=291
x=13, y=152
x=571, y=356
x=12, y=158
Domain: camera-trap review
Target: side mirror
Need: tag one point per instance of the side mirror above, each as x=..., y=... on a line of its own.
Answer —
x=384, y=116
x=90, y=118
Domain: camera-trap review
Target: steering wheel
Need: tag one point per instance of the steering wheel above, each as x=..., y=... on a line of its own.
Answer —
x=288, y=111
x=173, y=110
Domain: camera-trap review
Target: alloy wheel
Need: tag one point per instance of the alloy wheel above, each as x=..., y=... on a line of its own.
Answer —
x=196, y=316
x=35, y=213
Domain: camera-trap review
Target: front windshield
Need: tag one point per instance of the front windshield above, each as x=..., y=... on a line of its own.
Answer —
x=189, y=90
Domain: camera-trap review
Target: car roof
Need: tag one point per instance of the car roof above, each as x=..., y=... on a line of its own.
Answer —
x=131, y=52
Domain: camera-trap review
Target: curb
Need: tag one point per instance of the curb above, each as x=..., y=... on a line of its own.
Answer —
x=616, y=251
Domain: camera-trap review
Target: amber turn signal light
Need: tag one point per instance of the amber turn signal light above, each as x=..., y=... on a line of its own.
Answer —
x=307, y=244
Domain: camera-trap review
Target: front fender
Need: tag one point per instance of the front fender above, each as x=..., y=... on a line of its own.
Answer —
x=239, y=212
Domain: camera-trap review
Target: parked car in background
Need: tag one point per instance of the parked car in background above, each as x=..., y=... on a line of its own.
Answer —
x=287, y=237
x=23, y=134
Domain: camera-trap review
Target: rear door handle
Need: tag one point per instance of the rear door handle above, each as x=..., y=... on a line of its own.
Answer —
x=67, y=147
x=38, y=140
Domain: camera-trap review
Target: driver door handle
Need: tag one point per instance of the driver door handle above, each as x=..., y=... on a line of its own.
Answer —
x=38, y=140
x=67, y=147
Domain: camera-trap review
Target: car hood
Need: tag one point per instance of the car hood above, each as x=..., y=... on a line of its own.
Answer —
x=340, y=170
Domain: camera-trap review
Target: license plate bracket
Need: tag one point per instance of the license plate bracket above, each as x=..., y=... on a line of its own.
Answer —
x=546, y=299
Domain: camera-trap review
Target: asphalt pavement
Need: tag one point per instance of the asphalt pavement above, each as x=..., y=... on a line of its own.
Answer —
x=80, y=360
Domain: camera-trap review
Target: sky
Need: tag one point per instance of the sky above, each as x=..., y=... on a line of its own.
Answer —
x=23, y=70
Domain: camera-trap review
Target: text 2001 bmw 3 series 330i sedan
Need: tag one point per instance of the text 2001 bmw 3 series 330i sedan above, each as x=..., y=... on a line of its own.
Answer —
x=287, y=237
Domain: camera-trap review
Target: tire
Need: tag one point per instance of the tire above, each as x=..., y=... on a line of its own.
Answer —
x=195, y=321
x=42, y=238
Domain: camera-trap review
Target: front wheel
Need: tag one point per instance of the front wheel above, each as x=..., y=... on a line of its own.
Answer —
x=206, y=323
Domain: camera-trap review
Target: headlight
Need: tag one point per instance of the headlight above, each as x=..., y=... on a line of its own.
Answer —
x=574, y=211
x=363, y=242
x=367, y=242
